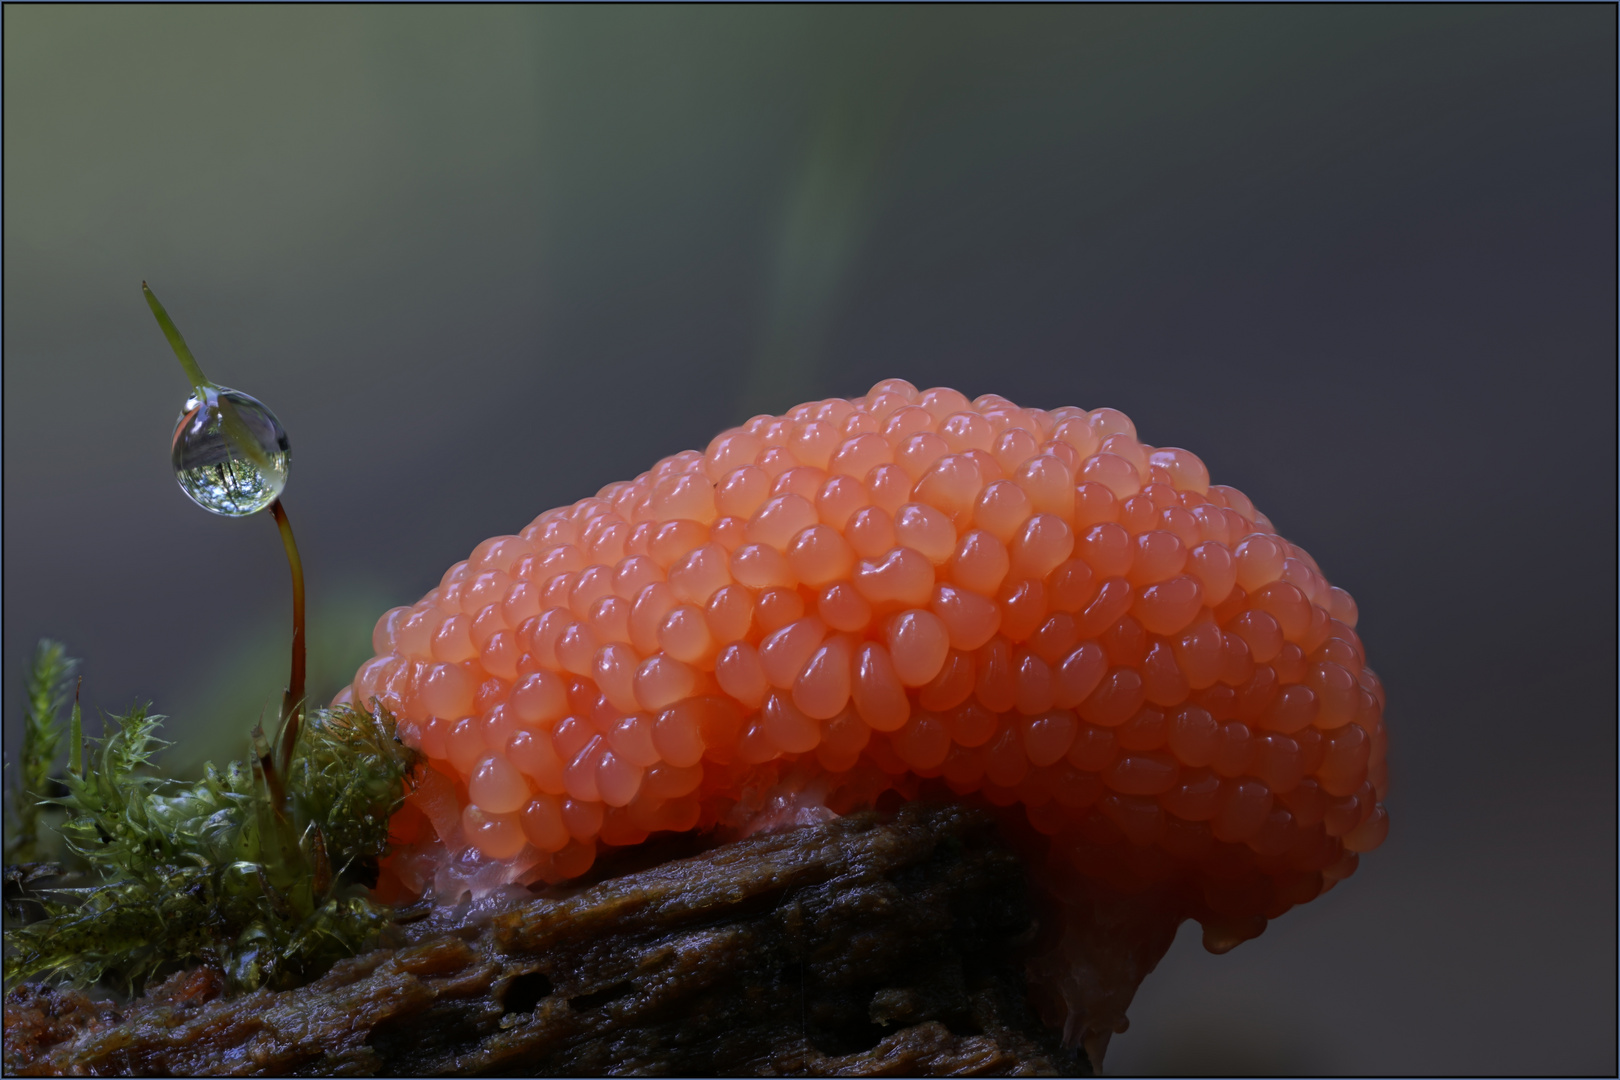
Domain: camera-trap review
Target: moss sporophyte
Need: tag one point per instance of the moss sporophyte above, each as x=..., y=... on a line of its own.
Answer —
x=261, y=869
x=231, y=457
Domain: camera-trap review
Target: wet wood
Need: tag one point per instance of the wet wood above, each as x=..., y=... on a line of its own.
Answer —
x=869, y=946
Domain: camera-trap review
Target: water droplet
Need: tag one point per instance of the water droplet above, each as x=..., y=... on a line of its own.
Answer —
x=213, y=465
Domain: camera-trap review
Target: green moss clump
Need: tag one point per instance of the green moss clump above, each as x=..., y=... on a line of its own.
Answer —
x=49, y=684
x=261, y=875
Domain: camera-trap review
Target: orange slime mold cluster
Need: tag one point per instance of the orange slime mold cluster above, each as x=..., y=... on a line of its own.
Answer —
x=911, y=592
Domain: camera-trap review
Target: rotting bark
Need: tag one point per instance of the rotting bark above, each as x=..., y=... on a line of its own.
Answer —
x=868, y=946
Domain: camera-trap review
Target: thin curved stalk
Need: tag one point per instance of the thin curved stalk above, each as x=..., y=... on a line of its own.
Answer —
x=292, y=703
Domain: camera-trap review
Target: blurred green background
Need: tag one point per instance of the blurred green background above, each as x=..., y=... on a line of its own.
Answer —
x=483, y=260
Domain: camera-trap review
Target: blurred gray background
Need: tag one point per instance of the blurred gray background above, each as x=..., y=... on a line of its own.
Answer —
x=482, y=261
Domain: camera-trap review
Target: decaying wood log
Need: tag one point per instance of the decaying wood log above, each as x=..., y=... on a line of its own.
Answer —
x=871, y=945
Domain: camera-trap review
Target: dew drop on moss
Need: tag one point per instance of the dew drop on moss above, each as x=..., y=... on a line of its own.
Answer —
x=220, y=474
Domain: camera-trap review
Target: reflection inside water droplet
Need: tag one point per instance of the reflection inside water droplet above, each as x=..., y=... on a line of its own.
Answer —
x=220, y=473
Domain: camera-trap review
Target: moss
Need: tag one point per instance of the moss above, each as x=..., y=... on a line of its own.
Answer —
x=49, y=682
x=258, y=874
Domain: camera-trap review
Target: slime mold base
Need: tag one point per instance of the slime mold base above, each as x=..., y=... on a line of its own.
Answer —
x=906, y=592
